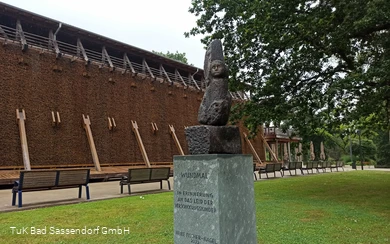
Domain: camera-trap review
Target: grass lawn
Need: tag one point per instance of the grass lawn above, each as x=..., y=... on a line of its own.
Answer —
x=343, y=207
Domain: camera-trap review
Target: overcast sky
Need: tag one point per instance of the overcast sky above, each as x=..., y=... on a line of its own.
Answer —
x=148, y=24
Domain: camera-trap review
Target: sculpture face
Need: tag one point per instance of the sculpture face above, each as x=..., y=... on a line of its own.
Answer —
x=218, y=69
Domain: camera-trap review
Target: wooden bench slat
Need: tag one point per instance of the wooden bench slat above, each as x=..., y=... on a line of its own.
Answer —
x=73, y=177
x=37, y=179
x=160, y=174
x=139, y=174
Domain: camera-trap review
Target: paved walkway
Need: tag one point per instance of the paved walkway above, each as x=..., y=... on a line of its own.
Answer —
x=98, y=191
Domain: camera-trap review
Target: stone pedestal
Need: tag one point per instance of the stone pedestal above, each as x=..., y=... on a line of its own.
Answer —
x=214, y=199
x=209, y=139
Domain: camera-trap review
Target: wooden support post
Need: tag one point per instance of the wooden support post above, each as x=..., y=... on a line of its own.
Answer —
x=179, y=75
x=81, y=49
x=53, y=117
x=111, y=123
x=21, y=117
x=191, y=77
x=53, y=44
x=126, y=61
x=268, y=147
x=140, y=143
x=300, y=152
x=4, y=35
x=106, y=56
x=165, y=74
x=252, y=148
x=87, y=127
x=20, y=35
x=154, y=127
x=146, y=66
x=289, y=151
x=56, y=121
x=177, y=143
x=58, y=118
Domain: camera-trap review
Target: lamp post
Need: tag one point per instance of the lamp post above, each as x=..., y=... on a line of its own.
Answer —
x=360, y=148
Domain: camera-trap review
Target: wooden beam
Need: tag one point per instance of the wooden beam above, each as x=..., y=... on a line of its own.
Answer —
x=80, y=49
x=177, y=143
x=53, y=117
x=105, y=57
x=145, y=66
x=162, y=70
x=179, y=75
x=252, y=148
x=87, y=127
x=140, y=143
x=20, y=35
x=268, y=147
x=53, y=44
x=154, y=127
x=191, y=77
x=111, y=123
x=126, y=61
x=4, y=35
x=56, y=120
x=21, y=117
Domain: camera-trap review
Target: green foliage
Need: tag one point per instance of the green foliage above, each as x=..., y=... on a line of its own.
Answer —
x=347, y=159
x=181, y=57
x=383, y=144
x=368, y=149
x=343, y=207
x=310, y=64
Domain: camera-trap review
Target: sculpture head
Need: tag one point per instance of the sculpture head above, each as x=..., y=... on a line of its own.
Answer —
x=218, y=69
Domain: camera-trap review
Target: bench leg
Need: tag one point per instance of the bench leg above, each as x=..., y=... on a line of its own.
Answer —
x=128, y=188
x=254, y=173
x=80, y=190
x=120, y=183
x=19, y=199
x=169, y=185
x=282, y=173
x=160, y=184
x=13, y=198
x=87, y=191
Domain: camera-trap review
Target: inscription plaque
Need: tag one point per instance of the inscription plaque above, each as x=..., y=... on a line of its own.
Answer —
x=214, y=199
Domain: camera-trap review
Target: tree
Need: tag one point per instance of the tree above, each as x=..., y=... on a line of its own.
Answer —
x=310, y=64
x=181, y=57
x=383, y=144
